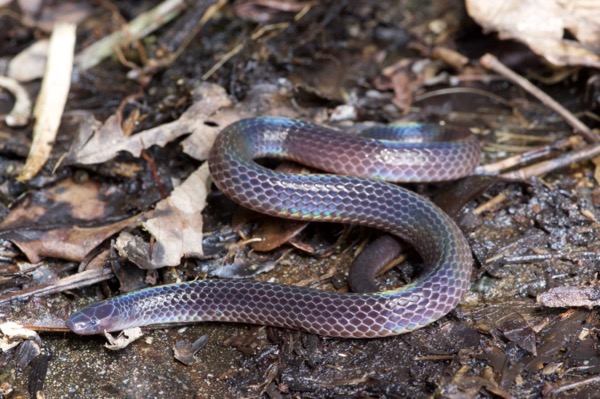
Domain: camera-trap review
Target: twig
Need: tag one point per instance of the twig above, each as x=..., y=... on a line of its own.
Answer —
x=155, y=174
x=528, y=156
x=222, y=61
x=203, y=12
x=504, y=136
x=81, y=279
x=51, y=101
x=463, y=90
x=260, y=33
x=531, y=258
x=574, y=385
x=491, y=62
x=141, y=26
x=255, y=36
x=498, y=147
x=489, y=204
x=208, y=14
x=553, y=164
x=569, y=297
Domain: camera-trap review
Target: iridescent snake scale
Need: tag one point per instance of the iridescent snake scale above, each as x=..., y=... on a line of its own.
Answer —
x=363, y=200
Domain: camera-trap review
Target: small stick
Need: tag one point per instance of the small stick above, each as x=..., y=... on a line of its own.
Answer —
x=491, y=62
x=138, y=28
x=50, y=103
x=553, y=164
x=155, y=174
x=265, y=31
x=574, y=385
x=81, y=279
x=490, y=204
x=528, y=156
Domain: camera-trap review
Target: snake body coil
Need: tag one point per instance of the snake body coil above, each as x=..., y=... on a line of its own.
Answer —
x=333, y=198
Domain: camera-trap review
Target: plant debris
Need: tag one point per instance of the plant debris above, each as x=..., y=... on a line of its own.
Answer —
x=542, y=25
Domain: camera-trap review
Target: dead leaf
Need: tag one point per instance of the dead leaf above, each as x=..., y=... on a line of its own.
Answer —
x=29, y=64
x=567, y=297
x=541, y=24
x=66, y=203
x=16, y=331
x=403, y=81
x=123, y=339
x=105, y=144
x=72, y=243
x=21, y=111
x=519, y=331
x=184, y=351
x=275, y=232
x=175, y=223
x=47, y=223
x=265, y=99
x=268, y=11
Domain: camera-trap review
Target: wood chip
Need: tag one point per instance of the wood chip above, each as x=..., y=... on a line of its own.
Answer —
x=566, y=297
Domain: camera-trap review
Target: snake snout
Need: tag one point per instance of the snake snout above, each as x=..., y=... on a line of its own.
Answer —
x=93, y=320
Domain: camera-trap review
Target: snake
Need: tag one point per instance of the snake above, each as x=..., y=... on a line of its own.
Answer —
x=356, y=190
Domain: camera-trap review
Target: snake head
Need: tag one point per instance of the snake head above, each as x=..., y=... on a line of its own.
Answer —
x=94, y=319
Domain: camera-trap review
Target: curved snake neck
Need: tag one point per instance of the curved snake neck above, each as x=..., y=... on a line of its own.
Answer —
x=335, y=198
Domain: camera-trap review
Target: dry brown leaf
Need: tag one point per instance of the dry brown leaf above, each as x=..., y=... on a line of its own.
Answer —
x=175, y=223
x=13, y=334
x=72, y=243
x=211, y=111
x=567, y=297
x=14, y=330
x=266, y=99
x=403, y=81
x=275, y=232
x=185, y=351
x=541, y=24
x=124, y=338
x=66, y=203
x=45, y=223
x=110, y=140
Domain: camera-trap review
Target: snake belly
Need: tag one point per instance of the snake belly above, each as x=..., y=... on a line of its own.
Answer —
x=355, y=195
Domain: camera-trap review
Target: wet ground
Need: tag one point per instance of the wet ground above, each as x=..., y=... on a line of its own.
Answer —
x=539, y=234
